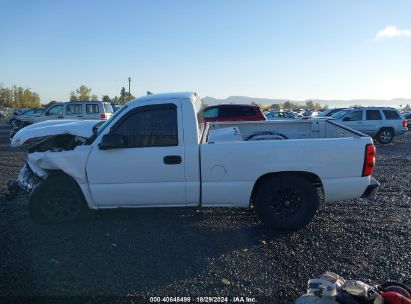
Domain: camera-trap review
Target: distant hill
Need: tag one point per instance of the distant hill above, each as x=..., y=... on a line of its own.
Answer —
x=331, y=103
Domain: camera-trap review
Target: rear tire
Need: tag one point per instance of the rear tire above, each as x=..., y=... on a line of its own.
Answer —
x=286, y=202
x=385, y=136
x=58, y=199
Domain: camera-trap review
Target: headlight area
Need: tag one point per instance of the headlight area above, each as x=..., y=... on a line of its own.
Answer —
x=26, y=182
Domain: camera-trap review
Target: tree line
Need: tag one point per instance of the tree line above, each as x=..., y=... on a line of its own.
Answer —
x=83, y=93
x=18, y=97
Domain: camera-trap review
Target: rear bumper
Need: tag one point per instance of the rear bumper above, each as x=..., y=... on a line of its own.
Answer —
x=371, y=189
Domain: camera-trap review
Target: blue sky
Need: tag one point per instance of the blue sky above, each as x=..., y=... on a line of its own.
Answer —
x=275, y=49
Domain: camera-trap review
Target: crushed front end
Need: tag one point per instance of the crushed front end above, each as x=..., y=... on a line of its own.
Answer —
x=25, y=183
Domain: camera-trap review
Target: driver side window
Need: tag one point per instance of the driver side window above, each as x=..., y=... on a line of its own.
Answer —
x=149, y=126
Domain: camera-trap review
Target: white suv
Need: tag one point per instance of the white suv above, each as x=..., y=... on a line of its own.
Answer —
x=77, y=110
x=380, y=123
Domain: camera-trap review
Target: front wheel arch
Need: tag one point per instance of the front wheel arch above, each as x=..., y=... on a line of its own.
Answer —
x=46, y=192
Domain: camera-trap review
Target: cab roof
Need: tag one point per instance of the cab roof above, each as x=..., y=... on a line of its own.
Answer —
x=165, y=96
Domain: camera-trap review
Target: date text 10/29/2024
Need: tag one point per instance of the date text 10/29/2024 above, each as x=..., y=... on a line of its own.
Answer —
x=238, y=299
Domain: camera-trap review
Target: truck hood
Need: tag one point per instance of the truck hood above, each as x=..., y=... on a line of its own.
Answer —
x=42, y=130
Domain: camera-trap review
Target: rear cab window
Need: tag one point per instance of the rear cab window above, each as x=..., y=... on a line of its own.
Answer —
x=391, y=115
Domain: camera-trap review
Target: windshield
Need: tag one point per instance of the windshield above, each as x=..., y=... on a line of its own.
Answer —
x=340, y=114
x=324, y=113
x=108, y=121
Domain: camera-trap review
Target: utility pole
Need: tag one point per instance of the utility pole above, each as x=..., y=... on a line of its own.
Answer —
x=129, y=94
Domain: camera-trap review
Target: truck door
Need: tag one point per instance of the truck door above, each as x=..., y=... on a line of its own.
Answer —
x=149, y=169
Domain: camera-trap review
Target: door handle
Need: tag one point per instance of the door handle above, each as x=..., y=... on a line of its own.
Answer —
x=172, y=159
x=59, y=116
x=80, y=116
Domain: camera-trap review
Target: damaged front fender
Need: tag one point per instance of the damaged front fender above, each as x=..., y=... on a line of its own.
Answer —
x=71, y=162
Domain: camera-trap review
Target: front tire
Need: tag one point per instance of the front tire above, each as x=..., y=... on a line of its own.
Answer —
x=385, y=136
x=286, y=202
x=58, y=199
x=13, y=122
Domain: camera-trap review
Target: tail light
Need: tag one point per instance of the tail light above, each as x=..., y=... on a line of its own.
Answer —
x=103, y=116
x=405, y=123
x=369, y=160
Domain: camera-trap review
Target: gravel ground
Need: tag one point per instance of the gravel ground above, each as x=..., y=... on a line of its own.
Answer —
x=220, y=252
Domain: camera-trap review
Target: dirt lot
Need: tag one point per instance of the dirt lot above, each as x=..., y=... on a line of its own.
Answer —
x=189, y=252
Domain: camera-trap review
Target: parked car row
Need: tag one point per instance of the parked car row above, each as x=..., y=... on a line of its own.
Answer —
x=381, y=123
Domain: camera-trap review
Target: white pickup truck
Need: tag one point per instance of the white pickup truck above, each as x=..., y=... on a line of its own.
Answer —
x=156, y=152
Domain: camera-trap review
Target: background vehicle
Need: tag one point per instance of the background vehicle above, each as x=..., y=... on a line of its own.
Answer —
x=233, y=112
x=11, y=118
x=76, y=110
x=309, y=114
x=407, y=116
x=165, y=157
x=28, y=116
x=115, y=107
x=378, y=122
x=329, y=112
x=280, y=115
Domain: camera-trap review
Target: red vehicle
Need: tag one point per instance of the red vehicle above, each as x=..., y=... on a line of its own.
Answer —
x=233, y=112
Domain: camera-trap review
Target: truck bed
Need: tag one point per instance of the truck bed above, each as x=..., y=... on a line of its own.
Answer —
x=233, y=157
x=296, y=129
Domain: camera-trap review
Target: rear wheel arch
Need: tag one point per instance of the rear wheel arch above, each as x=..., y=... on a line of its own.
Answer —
x=287, y=201
x=313, y=178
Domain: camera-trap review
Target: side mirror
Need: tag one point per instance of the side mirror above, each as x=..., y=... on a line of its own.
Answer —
x=96, y=126
x=111, y=141
x=346, y=119
x=47, y=114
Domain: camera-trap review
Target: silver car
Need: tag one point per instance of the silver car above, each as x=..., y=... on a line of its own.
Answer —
x=77, y=110
x=280, y=115
x=382, y=123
